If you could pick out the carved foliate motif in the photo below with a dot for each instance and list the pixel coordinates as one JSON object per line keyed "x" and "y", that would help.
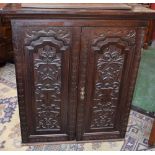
{"x": 48, "y": 87}
{"x": 57, "y": 32}
{"x": 48, "y": 46}
{"x": 109, "y": 69}
{"x": 125, "y": 34}
{"x": 111, "y": 48}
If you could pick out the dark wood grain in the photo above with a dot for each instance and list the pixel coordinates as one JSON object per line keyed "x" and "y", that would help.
{"x": 47, "y": 54}
{"x": 76, "y": 70}
{"x": 152, "y": 135}
{"x": 137, "y": 12}
{"x": 6, "y": 53}
{"x": 3, "y": 55}
{"x": 106, "y": 58}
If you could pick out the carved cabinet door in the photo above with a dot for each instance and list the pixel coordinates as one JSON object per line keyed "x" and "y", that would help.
{"x": 46, "y": 68}
{"x": 108, "y": 65}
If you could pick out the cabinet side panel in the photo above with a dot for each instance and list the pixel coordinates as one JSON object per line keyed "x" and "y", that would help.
{"x": 132, "y": 75}
{"x": 19, "y": 67}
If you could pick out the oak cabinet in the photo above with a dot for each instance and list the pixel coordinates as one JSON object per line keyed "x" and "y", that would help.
{"x": 74, "y": 82}
{"x": 76, "y": 70}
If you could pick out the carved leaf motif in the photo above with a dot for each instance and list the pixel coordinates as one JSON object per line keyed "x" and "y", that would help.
{"x": 48, "y": 87}
{"x": 47, "y": 45}
{"x": 125, "y": 34}
{"x": 59, "y": 32}
{"x": 109, "y": 68}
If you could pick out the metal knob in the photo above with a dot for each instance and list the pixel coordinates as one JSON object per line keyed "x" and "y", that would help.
{"x": 82, "y": 93}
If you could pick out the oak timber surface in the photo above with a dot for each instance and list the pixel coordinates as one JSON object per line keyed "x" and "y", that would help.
{"x": 76, "y": 70}
{"x": 104, "y": 11}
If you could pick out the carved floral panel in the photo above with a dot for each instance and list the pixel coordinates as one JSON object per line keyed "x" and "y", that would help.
{"x": 48, "y": 87}
{"x": 48, "y": 47}
{"x": 111, "y": 48}
{"x": 109, "y": 69}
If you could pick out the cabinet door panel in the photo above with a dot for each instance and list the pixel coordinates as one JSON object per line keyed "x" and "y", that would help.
{"x": 46, "y": 64}
{"x": 106, "y": 59}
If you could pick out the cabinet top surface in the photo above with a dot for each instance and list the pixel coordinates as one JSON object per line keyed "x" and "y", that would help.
{"x": 47, "y": 10}
{"x": 101, "y": 6}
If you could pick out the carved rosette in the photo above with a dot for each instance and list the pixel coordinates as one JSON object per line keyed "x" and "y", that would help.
{"x": 110, "y": 47}
{"x": 48, "y": 87}
{"x": 48, "y": 47}
{"x": 109, "y": 70}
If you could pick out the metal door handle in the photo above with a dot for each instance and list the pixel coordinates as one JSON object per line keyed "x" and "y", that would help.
{"x": 82, "y": 93}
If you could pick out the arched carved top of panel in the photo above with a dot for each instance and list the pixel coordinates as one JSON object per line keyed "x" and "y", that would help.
{"x": 123, "y": 37}
{"x": 61, "y": 34}
{"x": 101, "y": 45}
{"x": 52, "y": 41}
